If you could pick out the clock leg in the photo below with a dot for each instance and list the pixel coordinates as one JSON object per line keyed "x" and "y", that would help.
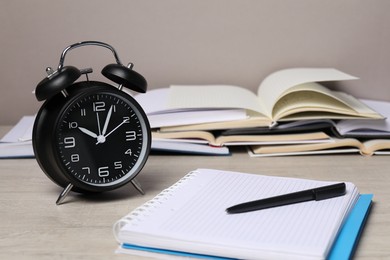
{"x": 137, "y": 185}
{"x": 64, "y": 193}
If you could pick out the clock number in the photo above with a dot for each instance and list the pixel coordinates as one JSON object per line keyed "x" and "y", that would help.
{"x": 103, "y": 171}
{"x": 130, "y": 136}
{"x": 75, "y": 157}
{"x": 118, "y": 165}
{"x": 87, "y": 169}
{"x": 83, "y": 112}
{"x": 69, "y": 142}
{"x": 128, "y": 151}
{"x": 73, "y": 125}
{"x": 99, "y": 106}
{"x": 126, "y": 119}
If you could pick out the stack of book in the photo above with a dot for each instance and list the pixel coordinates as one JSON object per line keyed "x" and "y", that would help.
{"x": 291, "y": 114}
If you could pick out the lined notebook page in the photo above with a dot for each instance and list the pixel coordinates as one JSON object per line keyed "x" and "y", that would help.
{"x": 190, "y": 216}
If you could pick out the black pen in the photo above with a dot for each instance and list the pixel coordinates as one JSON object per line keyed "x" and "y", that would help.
{"x": 320, "y": 193}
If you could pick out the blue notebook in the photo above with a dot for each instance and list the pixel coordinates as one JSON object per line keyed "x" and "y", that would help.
{"x": 337, "y": 236}
{"x": 347, "y": 240}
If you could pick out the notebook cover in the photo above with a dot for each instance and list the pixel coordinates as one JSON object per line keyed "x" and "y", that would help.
{"x": 348, "y": 238}
{"x": 343, "y": 248}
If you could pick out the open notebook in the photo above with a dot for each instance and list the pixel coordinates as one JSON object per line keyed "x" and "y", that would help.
{"x": 189, "y": 218}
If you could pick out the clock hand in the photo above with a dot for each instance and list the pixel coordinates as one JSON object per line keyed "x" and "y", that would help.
{"x": 107, "y": 121}
{"x": 102, "y": 138}
{"x": 98, "y": 123}
{"x": 88, "y": 132}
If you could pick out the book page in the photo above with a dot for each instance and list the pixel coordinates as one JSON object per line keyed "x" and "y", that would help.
{"x": 203, "y": 135}
{"x": 16, "y": 150}
{"x": 213, "y": 96}
{"x": 366, "y": 127}
{"x": 371, "y": 146}
{"x": 21, "y": 132}
{"x": 196, "y": 136}
{"x": 252, "y": 120}
{"x": 167, "y": 147}
{"x": 337, "y": 143}
{"x": 190, "y": 216}
{"x": 313, "y": 97}
{"x": 299, "y": 138}
{"x": 17, "y": 142}
{"x": 155, "y": 101}
{"x": 193, "y": 117}
{"x": 273, "y": 86}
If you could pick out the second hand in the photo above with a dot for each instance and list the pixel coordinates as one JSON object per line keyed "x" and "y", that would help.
{"x": 103, "y": 139}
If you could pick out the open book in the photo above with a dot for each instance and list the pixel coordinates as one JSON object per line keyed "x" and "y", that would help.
{"x": 290, "y": 94}
{"x": 355, "y": 128}
{"x": 156, "y": 106}
{"x": 339, "y": 145}
{"x": 229, "y": 140}
{"x": 166, "y": 147}
{"x": 190, "y": 219}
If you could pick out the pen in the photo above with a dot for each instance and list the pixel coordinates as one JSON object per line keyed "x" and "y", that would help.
{"x": 320, "y": 193}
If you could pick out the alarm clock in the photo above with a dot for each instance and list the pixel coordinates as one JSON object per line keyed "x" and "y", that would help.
{"x": 91, "y": 136}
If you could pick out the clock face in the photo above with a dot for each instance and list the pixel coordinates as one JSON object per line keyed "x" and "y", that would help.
{"x": 102, "y": 138}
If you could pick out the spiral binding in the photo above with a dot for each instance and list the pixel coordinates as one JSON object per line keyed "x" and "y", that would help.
{"x": 147, "y": 208}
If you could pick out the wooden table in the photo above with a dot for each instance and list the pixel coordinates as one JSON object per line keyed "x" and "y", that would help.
{"x": 33, "y": 227}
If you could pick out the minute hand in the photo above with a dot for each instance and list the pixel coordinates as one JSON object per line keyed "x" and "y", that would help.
{"x": 107, "y": 121}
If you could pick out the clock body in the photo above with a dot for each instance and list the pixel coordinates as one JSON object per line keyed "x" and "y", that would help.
{"x": 95, "y": 137}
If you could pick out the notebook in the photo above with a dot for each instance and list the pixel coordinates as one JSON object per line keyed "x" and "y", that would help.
{"x": 190, "y": 219}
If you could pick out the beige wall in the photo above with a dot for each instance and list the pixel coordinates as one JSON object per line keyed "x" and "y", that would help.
{"x": 193, "y": 42}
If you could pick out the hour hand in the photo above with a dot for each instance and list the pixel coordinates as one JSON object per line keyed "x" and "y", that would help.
{"x": 88, "y": 132}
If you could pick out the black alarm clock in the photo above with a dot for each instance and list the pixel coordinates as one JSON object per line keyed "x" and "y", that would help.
{"x": 90, "y": 136}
